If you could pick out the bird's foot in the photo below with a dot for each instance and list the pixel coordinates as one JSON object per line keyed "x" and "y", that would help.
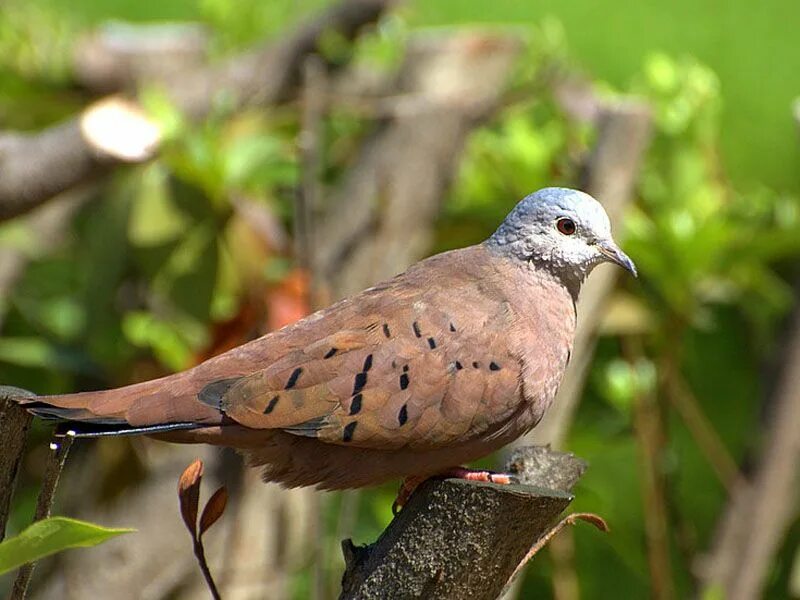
{"x": 410, "y": 484}
{"x": 478, "y": 475}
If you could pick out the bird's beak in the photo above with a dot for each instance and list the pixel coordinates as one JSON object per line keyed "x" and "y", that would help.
{"x": 612, "y": 252}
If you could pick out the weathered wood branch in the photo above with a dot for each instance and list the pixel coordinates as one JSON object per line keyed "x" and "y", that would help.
{"x": 459, "y": 539}
{"x": 35, "y": 167}
{"x": 14, "y": 424}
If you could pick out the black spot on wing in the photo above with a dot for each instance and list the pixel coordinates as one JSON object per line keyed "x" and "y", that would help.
{"x": 367, "y": 363}
{"x": 386, "y": 330}
{"x": 431, "y": 343}
{"x": 271, "y": 406}
{"x": 452, "y": 327}
{"x": 415, "y": 327}
{"x": 293, "y": 378}
{"x": 403, "y": 381}
{"x": 402, "y": 416}
{"x": 330, "y": 353}
{"x": 359, "y": 383}
{"x": 349, "y": 429}
{"x": 493, "y": 366}
{"x": 355, "y": 404}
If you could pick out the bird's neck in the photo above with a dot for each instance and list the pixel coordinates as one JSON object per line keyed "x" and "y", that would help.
{"x": 544, "y": 268}
{"x": 566, "y": 275}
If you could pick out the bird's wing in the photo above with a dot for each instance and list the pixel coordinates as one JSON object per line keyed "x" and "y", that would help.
{"x": 404, "y": 365}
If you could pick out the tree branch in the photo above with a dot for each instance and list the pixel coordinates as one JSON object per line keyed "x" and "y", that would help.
{"x": 762, "y": 508}
{"x": 14, "y": 424}
{"x": 458, "y": 539}
{"x": 35, "y": 167}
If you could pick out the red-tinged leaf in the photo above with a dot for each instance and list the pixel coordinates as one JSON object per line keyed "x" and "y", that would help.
{"x": 189, "y": 494}
{"x": 213, "y": 510}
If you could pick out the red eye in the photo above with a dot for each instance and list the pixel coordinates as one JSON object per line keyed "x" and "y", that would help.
{"x": 566, "y": 226}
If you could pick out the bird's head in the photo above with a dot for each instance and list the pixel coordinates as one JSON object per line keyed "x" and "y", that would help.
{"x": 564, "y": 231}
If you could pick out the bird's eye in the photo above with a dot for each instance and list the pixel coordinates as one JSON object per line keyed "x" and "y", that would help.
{"x": 566, "y": 226}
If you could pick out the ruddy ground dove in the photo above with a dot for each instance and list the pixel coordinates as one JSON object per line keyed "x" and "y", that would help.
{"x": 436, "y": 367}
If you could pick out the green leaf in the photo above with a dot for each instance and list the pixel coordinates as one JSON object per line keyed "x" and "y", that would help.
{"x": 49, "y": 536}
{"x": 32, "y": 351}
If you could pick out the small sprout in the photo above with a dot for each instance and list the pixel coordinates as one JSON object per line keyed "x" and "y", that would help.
{"x": 213, "y": 510}
{"x": 189, "y": 494}
{"x": 189, "y": 497}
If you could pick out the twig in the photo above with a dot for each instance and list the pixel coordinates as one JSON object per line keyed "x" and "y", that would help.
{"x": 60, "y": 447}
{"x": 14, "y": 424}
{"x": 200, "y": 553}
{"x": 570, "y": 519}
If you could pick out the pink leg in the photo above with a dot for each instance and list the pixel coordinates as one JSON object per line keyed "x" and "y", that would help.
{"x": 478, "y": 475}
{"x": 411, "y": 483}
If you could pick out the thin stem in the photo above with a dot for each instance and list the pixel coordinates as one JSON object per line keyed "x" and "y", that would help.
{"x": 44, "y": 503}
{"x": 200, "y": 553}
{"x": 570, "y": 519}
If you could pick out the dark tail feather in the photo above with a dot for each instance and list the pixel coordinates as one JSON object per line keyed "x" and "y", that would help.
{"x": 82, "y": 423}
{"x": 161, "y": 406}
{"x": 90, "y": 430}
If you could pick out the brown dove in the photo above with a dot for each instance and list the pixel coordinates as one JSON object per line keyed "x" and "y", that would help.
{"x": 437, "y": 367}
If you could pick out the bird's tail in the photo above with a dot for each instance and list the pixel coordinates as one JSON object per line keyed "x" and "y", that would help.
{"x": 169, "y": 404}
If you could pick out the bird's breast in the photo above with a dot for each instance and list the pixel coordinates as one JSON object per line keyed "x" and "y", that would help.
{"x": 543, "y": 339}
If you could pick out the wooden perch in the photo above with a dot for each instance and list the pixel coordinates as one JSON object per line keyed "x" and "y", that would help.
{"x": 35, "y": 167}
{"x": 14, "y": 424}
{"x": 460, "y": 539}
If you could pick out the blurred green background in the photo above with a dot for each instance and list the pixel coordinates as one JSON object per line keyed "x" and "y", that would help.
{"x": 154, "y": 262}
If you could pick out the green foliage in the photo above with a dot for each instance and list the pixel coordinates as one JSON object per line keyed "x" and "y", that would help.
{"x": 49, "y": 536}
{"x": 155, "y": 261}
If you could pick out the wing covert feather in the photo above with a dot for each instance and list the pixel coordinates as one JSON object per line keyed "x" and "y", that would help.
{"x": 415, "y": 367}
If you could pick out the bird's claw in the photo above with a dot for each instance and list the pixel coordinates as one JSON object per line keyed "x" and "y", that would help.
{"x": 410, "y": 484}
